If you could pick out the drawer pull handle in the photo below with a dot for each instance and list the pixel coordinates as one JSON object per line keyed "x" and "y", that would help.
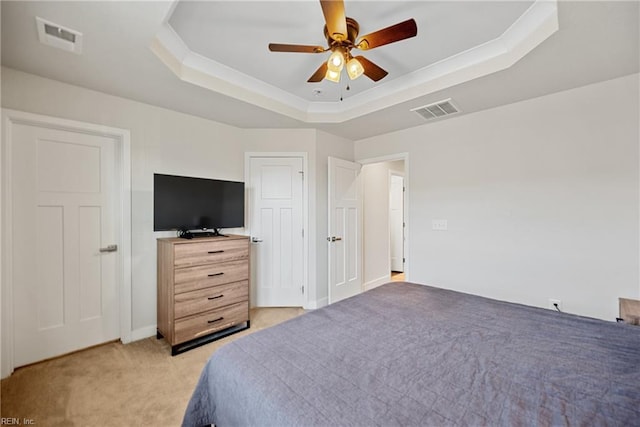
{"x": 215, "y": 320}
{"x": 215, "y": 252}
{"x": 215, "y": 274}
{"x": 219, "y": 296}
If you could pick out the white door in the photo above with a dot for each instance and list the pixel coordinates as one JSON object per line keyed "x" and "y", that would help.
{"x": 276, "y": 221}
{"x": 65, "y": 294}
{"x": 345, "y": 229}
{"x": 396, "y": 222}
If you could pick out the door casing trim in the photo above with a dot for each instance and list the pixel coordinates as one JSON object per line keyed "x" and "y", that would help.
{"x": 307, "y": 302}
{"x": 123, "y": 221}
{"x": 401, "y": 174}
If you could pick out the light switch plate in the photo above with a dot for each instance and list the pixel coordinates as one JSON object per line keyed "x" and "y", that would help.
{"x": 439, "y": 224}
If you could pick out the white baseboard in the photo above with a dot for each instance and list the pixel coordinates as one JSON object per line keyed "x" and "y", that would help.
{"x": 317, "y": 303}
{"x": 142, "y": 333}
{"x": 376, "y": 282}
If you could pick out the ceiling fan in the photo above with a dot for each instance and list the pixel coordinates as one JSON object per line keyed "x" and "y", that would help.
{"x": 341, "y": 33}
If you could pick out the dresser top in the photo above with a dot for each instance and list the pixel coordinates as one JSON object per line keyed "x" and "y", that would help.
{"x": 180, "y": 240}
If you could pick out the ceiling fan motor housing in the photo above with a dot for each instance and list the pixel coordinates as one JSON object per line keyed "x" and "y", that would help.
{"x": 341, "y": 33}
{"x": 353, "y": 28}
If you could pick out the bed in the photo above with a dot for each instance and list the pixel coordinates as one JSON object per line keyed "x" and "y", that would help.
{"x": 408, "y": 354}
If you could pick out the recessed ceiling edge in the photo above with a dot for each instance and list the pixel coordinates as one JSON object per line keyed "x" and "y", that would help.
{"x": 533, "y": 27}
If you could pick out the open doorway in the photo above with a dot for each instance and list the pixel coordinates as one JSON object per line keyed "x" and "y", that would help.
{"x": 384, "y": 221}
{"x": 396, "y": 224}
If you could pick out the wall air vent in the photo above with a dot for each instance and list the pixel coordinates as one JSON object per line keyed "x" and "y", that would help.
{"x": 58, "y": 36}
{"x": 437, "y": 109}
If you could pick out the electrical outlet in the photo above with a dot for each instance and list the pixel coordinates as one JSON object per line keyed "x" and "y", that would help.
{"x": 439, "y": 224}
{"x": 555, "y": 303}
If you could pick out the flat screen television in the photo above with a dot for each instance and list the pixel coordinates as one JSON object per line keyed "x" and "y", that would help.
{"x": 185, "y": 203}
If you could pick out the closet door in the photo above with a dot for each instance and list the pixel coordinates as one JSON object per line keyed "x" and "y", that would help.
{"x": 63, "y": 222}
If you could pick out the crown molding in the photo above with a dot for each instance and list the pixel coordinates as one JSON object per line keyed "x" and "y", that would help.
{"x": 534, "y": 26}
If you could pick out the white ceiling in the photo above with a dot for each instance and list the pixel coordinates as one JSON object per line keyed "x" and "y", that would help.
{"x": 474, "y": 39}
{"x": 237, "y": 34}
{"x": 595, "y": 41}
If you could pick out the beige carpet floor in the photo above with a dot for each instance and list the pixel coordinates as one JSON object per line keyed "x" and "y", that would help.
{"x": 117, "y": 385}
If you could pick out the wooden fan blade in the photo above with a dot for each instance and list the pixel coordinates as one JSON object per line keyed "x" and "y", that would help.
{"x": 335, "y": 18}
{"x": 279, "y": 47}
{"x": 371, "y": 70}
{"x": 394, "y": 33}
{"x": 319, "y": 74}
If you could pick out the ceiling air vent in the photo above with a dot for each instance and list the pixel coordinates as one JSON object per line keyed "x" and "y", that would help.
{"x": 58, "y": 36}
{"x": 437, "y": 109}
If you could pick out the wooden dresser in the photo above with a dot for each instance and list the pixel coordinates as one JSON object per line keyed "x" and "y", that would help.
{"x": 630, "y": 310}
{"x": 203, "y": 289}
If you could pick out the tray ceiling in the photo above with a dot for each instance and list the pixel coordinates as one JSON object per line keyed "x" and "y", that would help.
{"x": 223, "y": 46}
{"x": 132, "y": 51}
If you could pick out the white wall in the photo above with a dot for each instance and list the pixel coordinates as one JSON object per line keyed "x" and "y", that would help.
{"x": 166, "y": 141}
{"x": 3, "y": 333}
{"x": 319, "y": 146}
{"x": 541, "y": 198}
{"x": 161, "y": 141}
{"x": 377, "y": 262}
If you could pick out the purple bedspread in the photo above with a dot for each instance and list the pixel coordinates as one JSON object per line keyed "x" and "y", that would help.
{"x": 407, "y": 354}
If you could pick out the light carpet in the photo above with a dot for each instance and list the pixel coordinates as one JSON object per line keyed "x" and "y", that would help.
{"x": 114, "y": 384}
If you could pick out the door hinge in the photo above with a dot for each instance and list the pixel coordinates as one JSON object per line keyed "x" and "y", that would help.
{"x": 303, "y": 289}
{"x": 403, "y": 260}
{"x": 301, "y": 174}
{"x": 303, "y": 232}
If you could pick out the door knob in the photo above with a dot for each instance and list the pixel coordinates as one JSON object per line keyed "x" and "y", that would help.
{"x": 333, "y": 239}
{"x": 110, "y": 248}
{"x": 255, "y": 240}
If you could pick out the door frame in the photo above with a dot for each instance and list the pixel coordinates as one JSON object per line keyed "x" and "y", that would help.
{"x": 407, "y": 234}
{"x": 248, "y": 155}
{"x": 122, "y": 223}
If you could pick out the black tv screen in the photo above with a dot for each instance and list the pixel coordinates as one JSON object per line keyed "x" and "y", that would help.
{"x": 185, "y": 203}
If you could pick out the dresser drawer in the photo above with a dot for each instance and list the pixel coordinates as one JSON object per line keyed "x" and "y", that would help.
{"x": 204, "y": 276}
{"x": 208, "y": 322}
{"x": 195, "y": 302}
{"x": 198, "y": 253}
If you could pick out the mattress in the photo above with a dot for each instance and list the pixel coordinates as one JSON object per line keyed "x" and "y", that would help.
{"x": 408, "y": 354}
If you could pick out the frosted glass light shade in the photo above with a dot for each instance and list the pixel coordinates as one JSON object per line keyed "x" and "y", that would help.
{"x": 333, "y": 76}
{"x": 354, "y": 68}
{"x": 336, "y": 61}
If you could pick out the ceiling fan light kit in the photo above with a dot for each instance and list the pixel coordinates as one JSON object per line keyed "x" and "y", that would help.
{"x": 341, "y": 33}
{"x": 333, "y": 76}
{"x": 336, "y": 60}
{"x": 354, "y": 68}
{"x": 336, "y": 63}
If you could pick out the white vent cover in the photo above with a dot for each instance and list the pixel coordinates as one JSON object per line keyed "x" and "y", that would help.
{"x": 437, "y": 109}
{"x": 58, "y": 36}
